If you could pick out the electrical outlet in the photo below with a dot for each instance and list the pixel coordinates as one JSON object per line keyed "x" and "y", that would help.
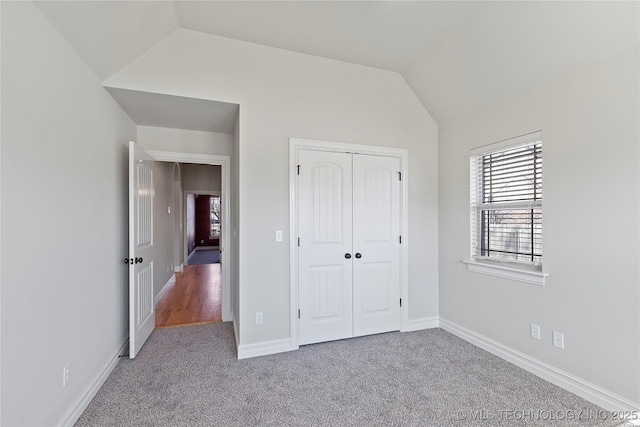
{"x": 259, "y": 318}
{"x": 66, "y": 373}
{"x": 558, "y": 339}
{"x": 535, "y": 331}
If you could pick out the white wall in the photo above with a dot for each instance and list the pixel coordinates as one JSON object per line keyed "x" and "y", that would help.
{"x": 205, "y": 178}
{"x": 185, "y": 141}
{"x": 284, "y": 94}
{"x": 163, "y": 225}
{"x": 64, "y": 221}
{"x": 589, "y": 123}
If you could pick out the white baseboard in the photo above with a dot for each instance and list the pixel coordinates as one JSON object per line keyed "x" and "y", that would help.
{"x": 206, "y": 248}
{"x": 178, "y": 268}
{"x": 81, "y": 404}
{"x": 591, "y": 392}
{"x": 165, "y": 288}
{"x": 265, "y": 348}
{"x": 423, "y": 323}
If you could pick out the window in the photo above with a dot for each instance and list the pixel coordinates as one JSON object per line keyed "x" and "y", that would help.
{"x": 506, "y": 206}
{"x": 214, "y": 231}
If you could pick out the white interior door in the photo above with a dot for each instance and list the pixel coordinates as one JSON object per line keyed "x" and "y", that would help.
{"x": 349, "y": 248}
{"x": 141, "y": 302}
{"x": 325, "y": 267}
{"x": 376, "y": 244}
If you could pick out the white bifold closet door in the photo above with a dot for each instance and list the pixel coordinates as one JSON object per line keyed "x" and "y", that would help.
{"x": 349, "y": 249}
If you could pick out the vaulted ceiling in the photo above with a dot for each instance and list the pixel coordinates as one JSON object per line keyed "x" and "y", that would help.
{"x": 458, "y": 57}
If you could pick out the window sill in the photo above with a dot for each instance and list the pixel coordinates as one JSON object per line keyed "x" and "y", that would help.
{"x": 508, "y": 272}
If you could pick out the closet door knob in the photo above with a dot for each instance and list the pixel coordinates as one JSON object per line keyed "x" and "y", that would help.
{"x": 347, "y": 255}
{"x": 358, "y": 255}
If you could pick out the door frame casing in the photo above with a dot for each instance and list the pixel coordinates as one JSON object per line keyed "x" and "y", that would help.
{"x": 225, "y": 194}
{"x": 297, "y": 144}
{"x": 178, "y": 253}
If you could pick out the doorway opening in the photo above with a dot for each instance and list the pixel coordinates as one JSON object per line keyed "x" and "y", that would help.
{"x": 196, "y": 296}
{"x": 181, "y": 130}
{"x": 201, "y": 293}
{"x": 203, "y": 225}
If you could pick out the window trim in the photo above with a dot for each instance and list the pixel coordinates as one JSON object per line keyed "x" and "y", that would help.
{"x": 511, "y": 271}
{"x": 514, "y": 142}
{"x": 522, "y": 272}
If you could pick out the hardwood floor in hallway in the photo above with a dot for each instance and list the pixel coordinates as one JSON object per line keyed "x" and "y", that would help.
{"x": 194, "y": 299}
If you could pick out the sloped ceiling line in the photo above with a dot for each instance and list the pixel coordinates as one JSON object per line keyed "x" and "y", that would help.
{"x": 457, "y": 57}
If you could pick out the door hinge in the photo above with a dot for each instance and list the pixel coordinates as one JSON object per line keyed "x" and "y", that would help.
{"x": 399, "y": 176}
{"x": 400, "y": 238}
{"x": 400, "y": 302}
{"x": 298, "y": 242}
{"x": 298, "y": 169}
{"x": 298, "y": 313}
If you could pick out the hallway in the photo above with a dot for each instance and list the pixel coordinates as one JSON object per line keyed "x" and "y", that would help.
{"x": 195, "y": 298}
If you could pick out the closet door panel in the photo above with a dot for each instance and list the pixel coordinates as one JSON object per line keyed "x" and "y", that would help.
{"x": 325, "y": 273}
{"x": 376, "y": 245}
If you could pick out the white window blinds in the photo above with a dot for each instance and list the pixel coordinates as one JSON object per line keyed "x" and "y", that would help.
{"x": 506, "y": 200}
